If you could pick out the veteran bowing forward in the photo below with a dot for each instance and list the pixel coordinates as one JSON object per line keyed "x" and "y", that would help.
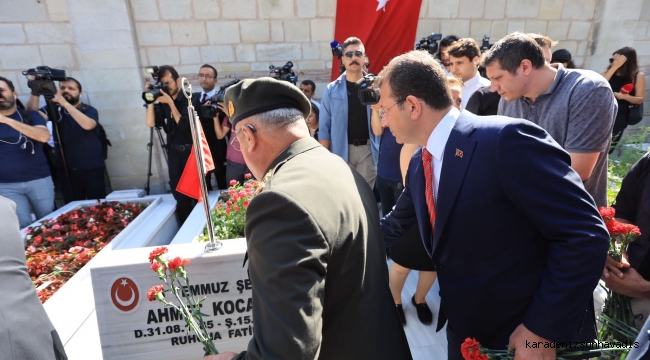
{"x": 316, "y": 253}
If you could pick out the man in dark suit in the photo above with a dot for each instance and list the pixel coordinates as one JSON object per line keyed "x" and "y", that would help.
{"x": 25, "y": 330}
{"x": 208, "y": 82}
{"x": 517, "y": 242}
{"x": 316, "y": 255}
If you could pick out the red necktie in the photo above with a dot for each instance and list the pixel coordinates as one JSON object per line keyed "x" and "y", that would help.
{"x": 203, "y": 98}
{"x": 427, "y": 160}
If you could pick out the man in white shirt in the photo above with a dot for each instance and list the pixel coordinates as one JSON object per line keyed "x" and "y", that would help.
{"x": 464, "y": 55}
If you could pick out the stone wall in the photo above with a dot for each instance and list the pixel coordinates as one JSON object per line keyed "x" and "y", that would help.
{"x": 107, "y": 44}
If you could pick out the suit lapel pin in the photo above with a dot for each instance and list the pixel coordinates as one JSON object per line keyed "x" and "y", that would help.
{"x": 459, "y": 153}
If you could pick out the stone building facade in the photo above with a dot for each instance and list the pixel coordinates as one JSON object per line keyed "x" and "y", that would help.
{"x": 106, "y": 45}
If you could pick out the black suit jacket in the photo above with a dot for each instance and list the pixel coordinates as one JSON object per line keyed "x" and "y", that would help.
{"x": 517, "y": 238}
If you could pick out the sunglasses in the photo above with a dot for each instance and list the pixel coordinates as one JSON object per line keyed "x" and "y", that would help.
{"x": 357, "y": 53}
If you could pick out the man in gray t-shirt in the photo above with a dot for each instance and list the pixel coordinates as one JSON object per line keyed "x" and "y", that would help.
{"x": 576, "y": 107}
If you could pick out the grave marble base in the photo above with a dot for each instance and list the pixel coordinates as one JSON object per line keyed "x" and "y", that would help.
{"x": 71, "y": 306}
{"x": 132, "y": 327}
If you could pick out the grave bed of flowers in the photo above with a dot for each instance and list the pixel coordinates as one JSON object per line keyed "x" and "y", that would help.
{"x": 57, "y": 248}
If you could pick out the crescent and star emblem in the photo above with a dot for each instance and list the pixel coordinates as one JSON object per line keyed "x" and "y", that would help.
{"x": 121, "y": 288}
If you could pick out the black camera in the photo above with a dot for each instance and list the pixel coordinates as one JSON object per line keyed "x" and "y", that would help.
{"x": 41, "y": 80}
{"x": 211, "y": 110}
{"x": 367, "y": 94}
{"x": 429, "y": 44}
{"x": 284, "y": 73}
{"x": 153, "y": 90}
{"x": 485, "y": 46}
{"x": 337, "y": 49}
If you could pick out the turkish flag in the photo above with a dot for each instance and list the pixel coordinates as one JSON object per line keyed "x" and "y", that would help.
{"x": 386, "y": 27}
{"x": 190, "y": 183}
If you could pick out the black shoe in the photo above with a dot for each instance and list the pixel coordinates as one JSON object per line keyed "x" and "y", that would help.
{"x": 400, "y": 314}
{"x": 424, "y": 313}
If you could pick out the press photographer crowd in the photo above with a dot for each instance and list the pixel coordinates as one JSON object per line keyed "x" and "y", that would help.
{"x": 512, "y": 180}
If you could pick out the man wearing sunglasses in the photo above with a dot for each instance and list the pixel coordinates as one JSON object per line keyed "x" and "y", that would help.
{"x": 315, "y": 256}
{"x": 345, "y": 127}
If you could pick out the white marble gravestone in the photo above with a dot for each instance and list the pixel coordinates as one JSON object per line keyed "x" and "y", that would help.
{"x": 132, "y": 327}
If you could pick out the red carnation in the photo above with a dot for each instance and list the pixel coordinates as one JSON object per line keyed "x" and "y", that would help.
{"x": 248, "y": 176}
{"x": 157, "y": 252}
{"x": 470, "y": 349}
{"x": 607, "y": 212}
{"x": 156, "y": 266}
{"x": 177, "y": 262}
{"x": 233, "y": 182}
{"x": 151, "y": 294}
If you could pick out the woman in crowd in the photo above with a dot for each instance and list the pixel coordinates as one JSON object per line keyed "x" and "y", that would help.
{"x": 628, "y": 85}
{"x": 312, "y": 121}
{"x": 235, "y": 165}
{"x": 563, "y": 56}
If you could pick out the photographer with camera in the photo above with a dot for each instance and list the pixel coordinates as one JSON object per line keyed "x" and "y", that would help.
{"x": 25, "y": 177}
{"x": 208, "y": 81}
{"x": 464, "y": 56}
{"x": 80, "y": 139}
{"x": 345, "y": 123}
{"x": 175, "y": 122}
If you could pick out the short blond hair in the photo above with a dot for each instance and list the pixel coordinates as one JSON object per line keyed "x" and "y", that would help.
{"x": 543, "y": 40}
{"x": 454, "y": 81}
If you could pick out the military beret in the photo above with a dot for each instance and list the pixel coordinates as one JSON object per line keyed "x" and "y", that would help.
{"x": 253, "y": 96}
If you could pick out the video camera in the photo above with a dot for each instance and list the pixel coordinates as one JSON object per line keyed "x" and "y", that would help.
{"x": 41, "y": 80}
{"x": 211, "y": 110}
{"x": 153, "y": 90}
{"x": 429, "y": 43}
{"x": 337, "y": 49}
{"x": 284, "y": 73}
{"x": 485, "y": 46}
{"x": 367, "y": 94}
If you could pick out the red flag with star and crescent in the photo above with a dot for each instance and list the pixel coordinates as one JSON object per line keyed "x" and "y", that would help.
{"x": 387, "y": 28}
{"x": 190, "y": 183}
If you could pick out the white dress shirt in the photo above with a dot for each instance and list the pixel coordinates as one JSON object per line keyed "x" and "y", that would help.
{"x": 437, "y": 142}
{"x": 209, "y": 94}
{"x": 470, "y": 86}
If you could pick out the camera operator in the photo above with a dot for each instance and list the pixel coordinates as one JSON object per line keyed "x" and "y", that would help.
{"x": 175, "y": 121}
{"x": 24, "y": 174}
{"x": 80, "y": 139}
{"x": 443, "y": 56}
{"x": 208, "y": 81}
{"x": 345, "y": 123}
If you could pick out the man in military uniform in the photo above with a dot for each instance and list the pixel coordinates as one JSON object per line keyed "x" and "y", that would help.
{"x": 315, "y": 246}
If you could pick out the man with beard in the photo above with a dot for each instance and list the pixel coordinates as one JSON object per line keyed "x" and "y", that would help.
{"x": 80, "y": 139}
{"x": 175, "y": 121}
{"x": 25, "y": 177}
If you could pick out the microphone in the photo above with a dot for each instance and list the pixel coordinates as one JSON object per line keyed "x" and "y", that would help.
{"x": 337, "y": 49}
{"x": 626, "y": 89}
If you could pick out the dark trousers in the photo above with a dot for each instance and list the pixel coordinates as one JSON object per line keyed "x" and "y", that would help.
{"x": 619, "y": 126}
{"x": 219, "y": 173}
{"x": 184, "y": 203}
{"x": 389, "y": 192}
{"x": 84, "y": 184}
{"x": 236, "y": 171}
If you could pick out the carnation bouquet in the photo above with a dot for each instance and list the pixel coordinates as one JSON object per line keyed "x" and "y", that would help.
{"x": 229, "y": 216}
{"x": 617, "y": 317}
{"x": 172, "y": 272}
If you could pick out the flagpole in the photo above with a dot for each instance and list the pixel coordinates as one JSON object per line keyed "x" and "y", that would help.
{"x": 193, "y": 118}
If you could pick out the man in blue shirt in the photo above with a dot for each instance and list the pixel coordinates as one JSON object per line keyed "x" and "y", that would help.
{"x": 80, "y": 140}
{"x": 24, "y": 174}
{"x": 345, "y": 127}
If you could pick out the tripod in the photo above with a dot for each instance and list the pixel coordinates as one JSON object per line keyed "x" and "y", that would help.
{"x": 163, "y": 148}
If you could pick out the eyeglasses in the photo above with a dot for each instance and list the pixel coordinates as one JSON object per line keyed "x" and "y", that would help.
{"x": 206, "y": 76}
{"x": 382, "y": 112}
{"x": 234, "y": 141}
{"x": 357, "y": 53}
